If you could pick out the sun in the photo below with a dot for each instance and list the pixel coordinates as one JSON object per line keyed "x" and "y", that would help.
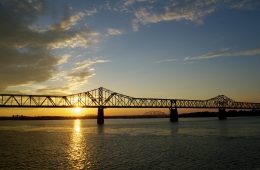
{"x": 77, "y": 110}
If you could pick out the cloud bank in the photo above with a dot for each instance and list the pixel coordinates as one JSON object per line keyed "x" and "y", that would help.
{"x": 155, "y": 11}
{"x": 26, "y": 49}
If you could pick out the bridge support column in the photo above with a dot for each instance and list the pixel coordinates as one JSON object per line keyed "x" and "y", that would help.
{"x": 100, "y": 116}
{"x": 222, "y": 114}
{"x": 174, "y": 115}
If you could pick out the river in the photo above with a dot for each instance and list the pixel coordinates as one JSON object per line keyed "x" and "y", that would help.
{"x": 192, "y": 143}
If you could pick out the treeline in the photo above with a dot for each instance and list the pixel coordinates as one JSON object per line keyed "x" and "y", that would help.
{"x": 21, "y": 117}
{"x": 230, "y": 113}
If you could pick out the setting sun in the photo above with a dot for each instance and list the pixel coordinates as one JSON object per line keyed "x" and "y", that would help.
{"x": 77, "y": 110}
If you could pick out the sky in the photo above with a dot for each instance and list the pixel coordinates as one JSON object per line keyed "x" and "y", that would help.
{"x": 192, "y": 49}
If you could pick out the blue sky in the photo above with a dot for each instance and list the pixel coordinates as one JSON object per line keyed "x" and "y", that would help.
{"x": 194, "y": 49}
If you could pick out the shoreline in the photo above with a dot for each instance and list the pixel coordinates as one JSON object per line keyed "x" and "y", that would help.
{"x": 185, "y": 115}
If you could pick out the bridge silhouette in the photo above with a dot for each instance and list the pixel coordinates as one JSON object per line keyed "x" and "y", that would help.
{"x": 102, "y": 98}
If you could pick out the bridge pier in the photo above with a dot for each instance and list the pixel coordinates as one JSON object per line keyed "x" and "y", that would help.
{"x": 174, "y": 115}
{"x": 222, "y": 114}
{"x": 100, "y": 116}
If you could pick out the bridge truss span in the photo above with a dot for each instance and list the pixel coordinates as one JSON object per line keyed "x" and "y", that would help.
{"x": 105, "y": 98}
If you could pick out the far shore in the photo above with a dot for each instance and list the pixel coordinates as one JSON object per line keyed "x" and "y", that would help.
{"x": 230, "y": 113}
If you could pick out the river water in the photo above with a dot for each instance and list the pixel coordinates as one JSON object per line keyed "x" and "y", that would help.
{"x": 192, "y": 143}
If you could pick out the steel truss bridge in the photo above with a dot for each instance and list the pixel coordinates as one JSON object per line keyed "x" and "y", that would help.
{"x": 103, "y": 98}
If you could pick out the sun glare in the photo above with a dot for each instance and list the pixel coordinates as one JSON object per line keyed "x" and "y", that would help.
{"x": 77, "y": 110}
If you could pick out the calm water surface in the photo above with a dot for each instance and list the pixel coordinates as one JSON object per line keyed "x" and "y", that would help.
{"x": 198, "y": 143}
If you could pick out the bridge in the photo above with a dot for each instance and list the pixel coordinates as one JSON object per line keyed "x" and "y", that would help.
{"x": 102, "y": 98}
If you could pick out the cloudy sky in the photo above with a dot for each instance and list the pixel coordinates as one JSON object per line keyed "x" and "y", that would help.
{"x": 194, "y": 49}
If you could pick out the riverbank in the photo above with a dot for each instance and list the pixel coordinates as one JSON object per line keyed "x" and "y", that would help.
{"x": 230, "y": 113}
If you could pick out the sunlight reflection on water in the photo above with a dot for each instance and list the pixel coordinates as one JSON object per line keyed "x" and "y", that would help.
{"x": 76, "y": 149}
{"x": 77, "y": 126}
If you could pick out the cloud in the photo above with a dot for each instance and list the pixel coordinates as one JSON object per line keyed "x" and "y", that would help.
{"x": 70, "y": 82}
{"x": 131, "y": 2}
{"x": 26, "y": 49}
{"x": 69, "y": 22}
{"x": 224, "y": 53}
{"x": 53, "y": 90}
{"x": 113, "y": 31}
{"x": 166, "y": 60}
{"x": 63, "y": 59}
{"x": 73, "y": 79}
{"x": 21, "y": 65}
{"x": 87, "y": 63}
{"x": 81, "y": 72}
{"x": 190, "y": 12}
{"x": 83, "y": 39}
{"x": 72, "y": 20}
{"x": 178, "y": 10}
{"x": 246, "y": 4}
{"x": 17, "y": 68}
